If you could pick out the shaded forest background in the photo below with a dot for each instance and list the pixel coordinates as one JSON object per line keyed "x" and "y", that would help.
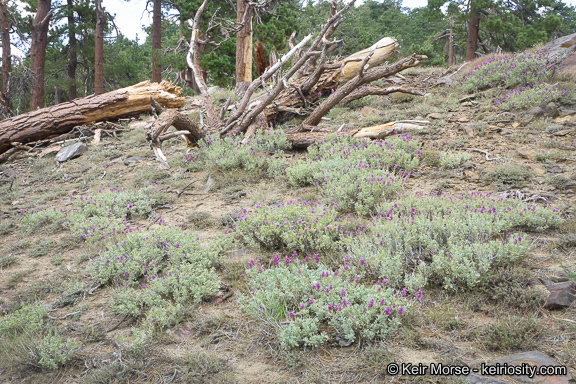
{"x": 72, "y": 67}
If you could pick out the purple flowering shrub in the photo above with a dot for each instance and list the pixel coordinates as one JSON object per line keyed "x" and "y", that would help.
{"x": 40, "y": 218}
{"x": 157, "y": 274}
{"x": 108, "y": 212}
{"x": 449, "y": 241}
{"x": 530, "y": 95}
{"x": 509, "y": 70}
{"x": 230, "y": 152}
{"x": 314, "y": 303}
{"x": 25, "y": 337}
{"x": 356, "y": 175}
{"x": 303, "y": 226}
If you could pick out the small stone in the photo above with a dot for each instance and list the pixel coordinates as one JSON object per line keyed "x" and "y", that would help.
{"x": 550, "y": 110}
{"x": 471, "y": 175}
{"x": 463, "y": 119}
{"x": 538, "y": 170}
{"x": 569, "y": 286}
{"x": 447, "y": 81}
{"x": 559, "y": 300}
{"x": 133, "y": 159}
{"x": 506, "y": 132}
{"x": 556, "y": 169}
{"x": 534, "y": 359}
{"x": 70, "y": 152}
{"x": 435, "y": 116}
{"x": 470, "y": 130}
{"x": 526, "y": 153}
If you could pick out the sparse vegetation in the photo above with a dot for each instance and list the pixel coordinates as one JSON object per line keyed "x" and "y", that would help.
{"x": 298, "y": 249}
{"x": 509, "y": 176}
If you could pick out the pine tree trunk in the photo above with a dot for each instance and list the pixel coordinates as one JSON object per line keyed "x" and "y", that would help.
{"x": 243, "y": 47}
{"x": 38, "y": 52}
{"x": 451, "y": 48}
{"x": 156, "y": 42}
{"x": 6, "y": 59}
{"x": 99, "y": 49}
{"x": 473, "y": 30}
{"x": 73, "y": 61}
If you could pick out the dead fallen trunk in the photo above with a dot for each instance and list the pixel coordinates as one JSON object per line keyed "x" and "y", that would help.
{"x": 52, "y": 121}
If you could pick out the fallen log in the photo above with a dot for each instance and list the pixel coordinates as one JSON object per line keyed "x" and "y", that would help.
{"x": 52, "y": 121}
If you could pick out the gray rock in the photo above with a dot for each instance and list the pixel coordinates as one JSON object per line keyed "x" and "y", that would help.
{"x": 550, "y": 110}
{"x": 562, "y": 295}
{"x": 534, "y": 358}
{"x": 561, "y": 48}
{"x": 556, "y": 169}
{"x": 133, "y": 159}
{"x": 71, "y": 152}
{"x": 562, "y": 285}
{"x": 559, "y": 300}
{"x": 435, "y": 116}
{"x": 447, "y": 81}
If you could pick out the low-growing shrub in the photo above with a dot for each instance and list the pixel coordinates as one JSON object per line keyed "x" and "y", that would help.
{"x": 514, "y": 333}
{"x": 54, "y": 352}
{"x": 230, "y": 153}
{"x": 158, "y": 274}
{"x": 509, "y": 70}
{"x": 355, "y": 175}
{"x": 107, "y": 213}
{"x": 510, "y": 287}
{"x": 313, "y": 303}
{"x": 452, "y": 160}
{"x": 40, "y": 218}
{"x": 445, "y": 240}
{"x": 6, "y": 261}
{"x": 133, "y": 342}
{"x": 507, "y": 177}
{"x": 530, "y": 96}
{"x": 297, "y": 225}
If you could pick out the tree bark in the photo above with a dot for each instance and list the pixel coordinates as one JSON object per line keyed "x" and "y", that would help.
{"x": 6, "y": 60}
{"x": 473, "y": 30}
{"x": 260, "y": 58}
{"x": 157, "y": 42}
{"x": 99, "y": 49}
{"x": 243, "y": 47}
{"x": 58, "y": 119}
{"x": 38, "y": 52}
{"x": 73, "y": 61}
{"x": 451, "y": 48}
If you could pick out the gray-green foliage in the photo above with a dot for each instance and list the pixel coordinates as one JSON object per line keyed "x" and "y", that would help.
{"x": 230, "y": 153}
{"x": 355, "y": 175}
{"x": 107, "y": 212}
{"x": 158, "y": 273}
{"x": 298, "y": 225}
{"x": 448, "y": 241}
{"x": 307, "y": 298}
